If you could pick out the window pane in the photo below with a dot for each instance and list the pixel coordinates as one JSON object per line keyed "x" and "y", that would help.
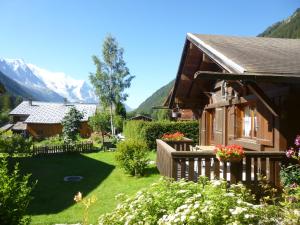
{"x": 247, "y": 122}
{"x": 255, "y": 122}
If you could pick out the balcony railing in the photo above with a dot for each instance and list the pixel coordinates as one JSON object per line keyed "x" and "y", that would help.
{"x": 184, "y": 164}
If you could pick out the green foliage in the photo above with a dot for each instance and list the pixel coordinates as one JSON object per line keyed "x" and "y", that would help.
{"x": 182, "y": 202}
{"x": 289, "y": 28}
{"x": 118, "y": 123}
{"x": 156, "y": 99}
{"x": 121, "y": 110}
{"x": 7, "y": 103}
{"x": 100, "y": 122}
{"x": 71, "y": 125}
{"x": 112, "y": 76}
{"x": 132, "y": 156}
{"x": 14, "y": 195}
{"x": 150, "y": 131}
{"x": 161, "y": 114}
{"x": 290, "y": 175}
{"x": 11, "y": 143}
{"x": 54, "y": 140}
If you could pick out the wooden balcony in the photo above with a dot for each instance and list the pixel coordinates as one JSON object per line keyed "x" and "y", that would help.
{"x": 175, "y": 160}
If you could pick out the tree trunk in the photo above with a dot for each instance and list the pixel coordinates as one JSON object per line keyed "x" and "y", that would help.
{"x": 111, "y": 120}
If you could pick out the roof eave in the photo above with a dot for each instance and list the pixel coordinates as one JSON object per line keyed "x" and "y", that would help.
{"x": 218, "y": 57}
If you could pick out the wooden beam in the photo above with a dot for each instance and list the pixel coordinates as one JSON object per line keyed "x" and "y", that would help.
{"x": 281, "y": 78}
{"x": 260, "y": 94}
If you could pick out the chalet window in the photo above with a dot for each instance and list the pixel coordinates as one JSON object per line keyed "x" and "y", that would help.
{"x": 249, "y": 121}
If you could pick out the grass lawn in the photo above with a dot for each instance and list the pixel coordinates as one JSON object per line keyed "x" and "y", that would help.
{"x": 53, "y": 197}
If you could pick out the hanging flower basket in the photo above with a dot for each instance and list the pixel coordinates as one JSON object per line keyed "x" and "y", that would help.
{"x": 230, "y": 153}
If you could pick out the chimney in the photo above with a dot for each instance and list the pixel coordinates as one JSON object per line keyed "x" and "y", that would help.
{"x": 30, "y": 102}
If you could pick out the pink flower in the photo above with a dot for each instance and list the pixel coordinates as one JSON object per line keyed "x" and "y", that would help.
{"x": 289, "y": 153}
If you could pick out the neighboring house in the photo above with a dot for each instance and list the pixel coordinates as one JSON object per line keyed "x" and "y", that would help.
{"x": 141, "y": 117}
{"x": 245, "y": 90}
{"x": 43, "y": 119}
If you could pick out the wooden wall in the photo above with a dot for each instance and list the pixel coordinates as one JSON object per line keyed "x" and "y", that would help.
{"x": 272, "y": 132}
{"x": 48, "y": 130}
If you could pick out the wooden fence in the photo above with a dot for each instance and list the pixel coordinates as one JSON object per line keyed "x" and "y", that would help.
{"x": 190, "y": 165}
{"x": 55, "y": 149}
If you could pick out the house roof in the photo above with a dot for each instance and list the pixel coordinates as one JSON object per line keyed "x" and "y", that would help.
{"x": 259, "y": 55}
{"x": 207, "y": 58}
{"x": 51, "y": 113}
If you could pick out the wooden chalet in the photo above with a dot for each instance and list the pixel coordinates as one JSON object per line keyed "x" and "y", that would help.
{"x": 43, "y": 119}
{"x": 245, "y": 91}
{"x": 141, "y": 117}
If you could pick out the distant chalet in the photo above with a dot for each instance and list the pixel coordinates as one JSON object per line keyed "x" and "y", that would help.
{"x": 243, "y": 90}
{"x": 43, "y": 119}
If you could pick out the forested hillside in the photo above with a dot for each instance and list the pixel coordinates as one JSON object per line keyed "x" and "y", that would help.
{"x": 288, "y": 28}
{"x": 156, "y": 99}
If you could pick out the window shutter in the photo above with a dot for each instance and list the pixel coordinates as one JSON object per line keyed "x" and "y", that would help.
{"x": 265, "y": 122}
{"x": 219, "y": 126}
{"x": 203, "y": 128}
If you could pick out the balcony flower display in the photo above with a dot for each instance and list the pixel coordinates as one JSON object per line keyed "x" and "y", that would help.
{"x": 178, "y": 136}
{"x": 230, "y": 153}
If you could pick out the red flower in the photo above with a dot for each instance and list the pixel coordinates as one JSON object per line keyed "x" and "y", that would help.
{"x": 177, "y": 136}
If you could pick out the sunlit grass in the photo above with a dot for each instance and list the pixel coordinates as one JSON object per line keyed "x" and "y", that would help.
{"x": 53, "y": 198}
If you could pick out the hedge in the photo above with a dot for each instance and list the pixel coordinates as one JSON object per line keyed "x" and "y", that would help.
{"x": 150, "y": 131}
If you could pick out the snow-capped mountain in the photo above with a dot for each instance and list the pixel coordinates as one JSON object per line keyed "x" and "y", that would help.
{"x": 45, "y": 85}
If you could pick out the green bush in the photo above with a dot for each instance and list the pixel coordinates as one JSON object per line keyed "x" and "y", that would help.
{"x": 132, "y": 156}
{"x": 150, "y": 131}
{"x": 14, "y": 195}
{"x": 290, "y": 175}
{"x": 11, "y": 143}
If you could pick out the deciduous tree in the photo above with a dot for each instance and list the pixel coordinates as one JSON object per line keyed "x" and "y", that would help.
{"x": 112, "y": 76}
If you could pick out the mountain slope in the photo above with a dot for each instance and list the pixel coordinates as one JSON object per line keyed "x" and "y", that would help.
{"x": 156, "y": 99}
{"x": 45, "y": 85}
{"x": 13, "y": 87}
{"x": 288, "y": 28}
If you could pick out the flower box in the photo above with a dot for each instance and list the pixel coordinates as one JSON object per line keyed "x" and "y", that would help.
{"x": 229, "y": 153}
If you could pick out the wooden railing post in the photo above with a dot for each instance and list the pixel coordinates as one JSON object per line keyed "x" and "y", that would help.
{"x": 236, "y": 170}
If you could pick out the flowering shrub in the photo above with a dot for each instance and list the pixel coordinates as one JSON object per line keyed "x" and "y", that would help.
{"x": 177, "y": 136}
{"x": 230, "y": 152}
{"x": 290, "y": 175}
{"x": 205, "y": 202}
{"x": 294, "y": 152}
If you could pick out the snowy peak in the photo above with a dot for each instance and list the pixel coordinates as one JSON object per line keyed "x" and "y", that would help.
{"x": 47, "y": 85}
{"x": 66, "y": 86}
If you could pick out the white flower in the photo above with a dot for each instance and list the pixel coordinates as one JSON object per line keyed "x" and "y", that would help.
{"x": 216, "y": 183}
{"x": 247, "y": 216}
{"x": 230, "y": 194}
{"x": 182, "y": 191}
{"x": 237, "y": 210}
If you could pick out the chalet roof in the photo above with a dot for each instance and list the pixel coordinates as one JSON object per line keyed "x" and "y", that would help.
{"x": 51, "y": 113}
{"x": 259, "y": 55}
{"x": 208, "y": 58}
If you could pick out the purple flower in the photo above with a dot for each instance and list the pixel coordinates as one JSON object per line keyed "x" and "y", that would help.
{"x": 297, "y": 141}
{"x": 294, "y": 185}
{"x": 289, "y": 153}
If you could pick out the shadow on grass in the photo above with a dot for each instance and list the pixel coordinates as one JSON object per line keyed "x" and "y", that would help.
{"x": 149, "y": 171}
{"x": 52, "y": 194}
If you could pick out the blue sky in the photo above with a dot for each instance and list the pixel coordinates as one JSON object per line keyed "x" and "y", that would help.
{"x": 62, "y": 35}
